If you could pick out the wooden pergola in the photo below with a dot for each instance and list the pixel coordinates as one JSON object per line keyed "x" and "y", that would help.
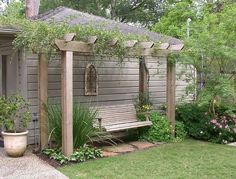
{"x": 67, "y": 46}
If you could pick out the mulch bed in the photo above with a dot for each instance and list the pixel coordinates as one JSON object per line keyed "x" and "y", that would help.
{"x": 46, "y": 159}
{"x": 106, "y": 153}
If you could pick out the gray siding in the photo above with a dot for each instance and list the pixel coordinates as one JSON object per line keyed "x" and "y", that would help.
{"x": 117, "y": 83}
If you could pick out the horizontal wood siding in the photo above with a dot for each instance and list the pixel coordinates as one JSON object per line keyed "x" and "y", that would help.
{"x": 157, "y": 79}
{"x": 117, "y": 83}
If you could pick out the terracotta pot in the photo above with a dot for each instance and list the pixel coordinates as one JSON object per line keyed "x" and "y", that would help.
{"x": 15, "y": 143}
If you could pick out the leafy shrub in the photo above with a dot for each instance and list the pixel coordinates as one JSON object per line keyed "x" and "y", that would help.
{"x": 14, "y": 113}
{"x": 219, "y": 126}
{"x": 180, "y": 132}
{"x": 83, "y": 118}
{"x": 224, "y": 128}
{"x": 159, "y": 131}
{"x": 195, "y": 120}
{"x": 80, "y": 155}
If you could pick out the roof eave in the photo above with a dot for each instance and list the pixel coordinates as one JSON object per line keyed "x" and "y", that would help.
{"x": 8, "y": 31}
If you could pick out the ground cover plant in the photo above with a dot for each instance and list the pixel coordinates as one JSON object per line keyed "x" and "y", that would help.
{"x": 187, "y": 159}
{"x": 79, "y": 155}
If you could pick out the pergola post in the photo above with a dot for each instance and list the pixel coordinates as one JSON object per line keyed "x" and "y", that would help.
{"x": 170, "y": 92}
{"x": 143, "y": 79}
{"x": 67, "y": 102}
{"x": 43, "y": 96}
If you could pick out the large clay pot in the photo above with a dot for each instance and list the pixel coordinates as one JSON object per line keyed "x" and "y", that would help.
{"x": 15, "y": 143}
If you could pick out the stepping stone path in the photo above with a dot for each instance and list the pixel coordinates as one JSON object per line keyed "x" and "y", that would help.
{"x": 27, "y": 167}
{"x": 126, "y": 148}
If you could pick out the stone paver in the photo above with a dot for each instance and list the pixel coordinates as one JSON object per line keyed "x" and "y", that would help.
{"x": 27, "y": 167}
{"x": 109, "y": 154}
{"x": 142, "y": 145}
{"x": 129, "y": 147}
{"x": 232, "y": 144}
{"x": 121, "y": 148}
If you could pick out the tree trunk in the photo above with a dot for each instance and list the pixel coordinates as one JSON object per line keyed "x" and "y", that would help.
{"x": 32, "y": 8}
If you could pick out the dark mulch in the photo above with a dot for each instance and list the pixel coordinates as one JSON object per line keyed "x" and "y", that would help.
{"x": 51, "y": 162}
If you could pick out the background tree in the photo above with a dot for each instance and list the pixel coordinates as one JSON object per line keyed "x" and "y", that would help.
{"x": 210, "y": 47}
{"x": 145, "y": 12}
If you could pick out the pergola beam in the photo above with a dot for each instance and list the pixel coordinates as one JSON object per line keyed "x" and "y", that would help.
{"x": 145, "y": 45}
{"x": 92, "y": 40}
{"x": 113, "y": 42}
{"x": 163, "y": 46}
{"x": 130, "y": 43}
{"x": 69, "y": 37}
{"x": 148, "y": 48}
{"x": 177, "y": 47}
{"x": 75, "y": 46}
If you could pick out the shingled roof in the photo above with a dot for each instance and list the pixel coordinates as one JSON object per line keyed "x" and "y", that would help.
{"x": 74, "y": 17}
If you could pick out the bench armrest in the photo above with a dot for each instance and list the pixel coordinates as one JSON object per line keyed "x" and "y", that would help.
{"x": 99, "y": 122}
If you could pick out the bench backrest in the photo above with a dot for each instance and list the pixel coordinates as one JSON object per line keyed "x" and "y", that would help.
{"x": 117, "y": 114}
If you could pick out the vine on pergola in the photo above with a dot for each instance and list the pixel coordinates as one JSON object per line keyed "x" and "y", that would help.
{"x": 39, "y": 36}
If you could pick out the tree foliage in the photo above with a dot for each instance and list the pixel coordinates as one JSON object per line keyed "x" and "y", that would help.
{"x": 210, "y": 48}
{"x": 39, "y": 36}
{"x": 145, "y": 12}
{"x": 173, "y": 23}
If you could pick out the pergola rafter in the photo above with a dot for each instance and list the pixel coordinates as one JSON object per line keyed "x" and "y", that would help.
{"x": 67, "y": 46}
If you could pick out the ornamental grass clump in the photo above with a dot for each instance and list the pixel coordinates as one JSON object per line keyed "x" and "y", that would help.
{"x": 83, "y": 118}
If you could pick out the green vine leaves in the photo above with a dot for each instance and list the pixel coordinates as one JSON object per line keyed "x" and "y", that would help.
{"x": 39, "y": 36}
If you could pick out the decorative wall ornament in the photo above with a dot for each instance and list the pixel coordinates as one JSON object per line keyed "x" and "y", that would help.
{"x": 91, "y": 80}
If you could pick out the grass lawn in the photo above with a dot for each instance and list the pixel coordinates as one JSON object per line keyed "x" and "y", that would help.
{"x": 188, "y": 159}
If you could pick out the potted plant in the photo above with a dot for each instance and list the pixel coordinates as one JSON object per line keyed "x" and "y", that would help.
{"x": 14, "y": 119}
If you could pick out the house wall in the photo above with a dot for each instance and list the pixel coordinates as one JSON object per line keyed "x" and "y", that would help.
{"x": 117, "y": 83}
{"x": 16, "y": 77}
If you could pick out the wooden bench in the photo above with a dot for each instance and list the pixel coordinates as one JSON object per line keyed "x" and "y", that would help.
{"x": 115, "y": 118}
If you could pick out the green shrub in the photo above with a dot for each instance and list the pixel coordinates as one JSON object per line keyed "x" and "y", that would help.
{"x": 83, "y": 118}
{"x": 195, "y": 119}
{"x": 14, "y": 113}
{"x": 80, "y": 155}
{"x": 159, "y": 131}
{"x": 180, "y": 132}
{"x": 201, "y": 124}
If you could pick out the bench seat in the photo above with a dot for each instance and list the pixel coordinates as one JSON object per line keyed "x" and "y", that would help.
{"x": 126, "y": 126}
{"x": 115, "y": 118}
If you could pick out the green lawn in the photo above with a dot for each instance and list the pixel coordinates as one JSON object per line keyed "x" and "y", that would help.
{"x": 189, "y": 159}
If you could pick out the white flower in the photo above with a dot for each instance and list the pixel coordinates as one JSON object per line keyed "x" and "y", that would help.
{"x": 225, "y": 141}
